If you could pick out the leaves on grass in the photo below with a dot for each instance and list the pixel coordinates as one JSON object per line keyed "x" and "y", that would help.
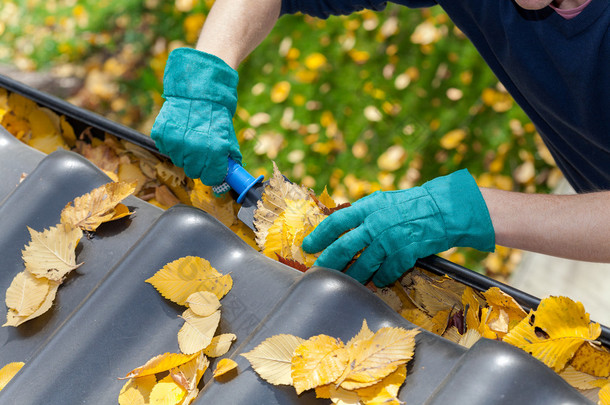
{"x": 98, "y": 206}
{"x": 8, "y": 372}
{"x": 177, "y": 280}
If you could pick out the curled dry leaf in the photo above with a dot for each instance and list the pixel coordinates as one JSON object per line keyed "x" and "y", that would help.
{"x": 51, "y": 253}
{"x": 272, "y": 358}
{"x": 224, "y": 366}
{"x": 98, "y": 206}
{"x": 177, "y": 280}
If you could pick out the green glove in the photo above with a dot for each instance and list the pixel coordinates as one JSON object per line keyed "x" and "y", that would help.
{"x": 194, "y": 127}
{"x": 399, "y": 227}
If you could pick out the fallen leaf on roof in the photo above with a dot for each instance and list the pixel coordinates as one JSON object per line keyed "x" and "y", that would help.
{"x": 160, "y": 363}
{"x": 51, "y": 253}
{"x": 177, "y": 280}
{"x": 136, "y": 391}
{"x": 96, "y": 207}
{"x": 272, "y": 358}
{"x": 224, "y": 366}
{"x": 197, "y": 332}
{"x": 8, "y": 372}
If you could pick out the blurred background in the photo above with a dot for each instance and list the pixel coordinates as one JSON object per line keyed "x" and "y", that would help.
{"x": 373, "y": 101}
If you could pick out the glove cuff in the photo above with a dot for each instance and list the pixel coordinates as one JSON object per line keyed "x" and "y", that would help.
{"x": 198, "y": 75}
{"x": 466, "y": 217}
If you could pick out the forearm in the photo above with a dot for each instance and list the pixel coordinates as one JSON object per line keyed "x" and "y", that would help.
{"x": 571, "y": 226}
{"x": 234, "y": 28}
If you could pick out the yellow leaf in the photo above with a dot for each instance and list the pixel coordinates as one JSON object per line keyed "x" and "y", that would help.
{"x": 26, "y": 293}
{"x": 578, "y": 379}
{"x": 469, "y": 338}
{"x": 592, "y": 359}
{"x": 166, "y": 392}
{"x": 604, "y": 395}
{"x": 499, "y": 301}
{"x": 273, "y": 202}
{"x": 189, "y": 374}
{"x": 51, "y": 253}
{"x": 8, "y": 372}
{"x": 553, "y": 344}
{"x": 452, "y": 139}
{"x": 386, "y": 390}
{"x": 92, "y": 209}
{"x": 220, "y": 208}
{"x": 203, "y": 303}
{"x": 197, "y": 332}
{"x": 315, "y": 61}
{"x": 136, "y": 391}
{"x": 375, "y": 358}
{"x": 280, "y": 92}
{"x": 341, "y": 396}
{"x": 471, "y": 308}
{"x": 272, "y": 358}
{"x": 160, "y": 363}
{"x": 14, "y": 319}
{"x": 67, "y": 132}
{"x": 48, "y": 144}
{"x": 220, "y": 345}
{"x": 177, "y": 280}
{"x": 224, "y": 366}
{"x": 392, "y": 159}
{"x": 326, "y": 199}
{"x": 318, "y": 361}
{"x": 364, "y": 334}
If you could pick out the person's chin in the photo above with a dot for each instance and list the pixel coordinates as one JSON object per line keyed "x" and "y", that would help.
{"x": 533, "y": 4}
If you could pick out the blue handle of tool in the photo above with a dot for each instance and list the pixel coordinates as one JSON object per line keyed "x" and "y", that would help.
{"x": 240, "y": 180}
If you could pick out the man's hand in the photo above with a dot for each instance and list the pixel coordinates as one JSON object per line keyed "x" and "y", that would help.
{"x": 396, "y": 228}
{"x": 194, "y": 127}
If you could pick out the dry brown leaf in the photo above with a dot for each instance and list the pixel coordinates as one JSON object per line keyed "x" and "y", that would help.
{"x": 51, "y": 253}
{"x": 197, "y": 332}
{"x": 177, "y": 280}
{"x": 272, "y": 358}
{"x": 92, "y": 209}
{"x": 318, "y": 361}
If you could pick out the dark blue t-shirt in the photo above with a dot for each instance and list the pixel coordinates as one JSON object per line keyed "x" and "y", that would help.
{"x": 558, "y": 70}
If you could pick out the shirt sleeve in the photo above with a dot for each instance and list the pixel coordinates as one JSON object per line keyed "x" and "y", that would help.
{"x": 326, "y": 8}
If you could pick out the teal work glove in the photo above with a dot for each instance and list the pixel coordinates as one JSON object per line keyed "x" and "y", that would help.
{"x": 399, "y": 227}
{"x": 194, "y": 127}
